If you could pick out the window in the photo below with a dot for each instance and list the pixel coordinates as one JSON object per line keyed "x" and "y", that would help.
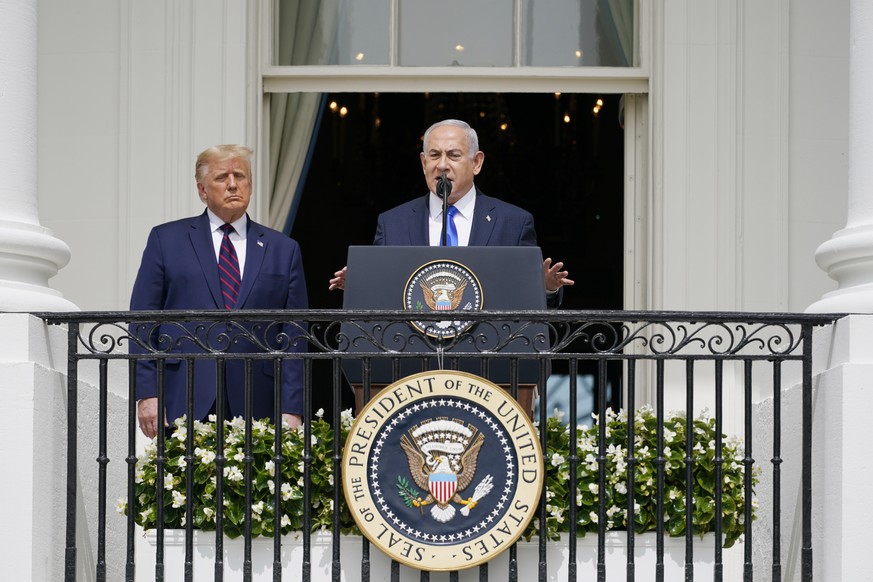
{"x": 480, "y": 33}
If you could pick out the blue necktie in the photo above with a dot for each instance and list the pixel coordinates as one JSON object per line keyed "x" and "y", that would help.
{"x": 451, "y": 230}
{"x": 228, "y": 269}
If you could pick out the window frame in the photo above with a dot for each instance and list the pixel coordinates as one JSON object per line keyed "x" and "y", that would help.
{"x": 634, "y": 82}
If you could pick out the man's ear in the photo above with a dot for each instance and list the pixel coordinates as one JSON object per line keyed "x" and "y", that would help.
{"x": 478, "y": 160}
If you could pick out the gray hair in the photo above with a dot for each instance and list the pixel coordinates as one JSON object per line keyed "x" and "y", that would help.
{"x": 472, "y": 138}
{"x": 220, "y": 153}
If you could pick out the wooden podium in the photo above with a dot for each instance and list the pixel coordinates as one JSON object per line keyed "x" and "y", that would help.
{"x": 385, "y": 277}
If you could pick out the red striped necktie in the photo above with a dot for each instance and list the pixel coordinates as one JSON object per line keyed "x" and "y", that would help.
{"x": 228, "y": 269}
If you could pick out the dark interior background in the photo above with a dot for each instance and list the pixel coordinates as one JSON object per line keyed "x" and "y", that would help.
{"x": 551, "y": 154}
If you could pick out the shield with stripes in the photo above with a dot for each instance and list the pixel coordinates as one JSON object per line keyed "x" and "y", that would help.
{"x": 443, "y": 486}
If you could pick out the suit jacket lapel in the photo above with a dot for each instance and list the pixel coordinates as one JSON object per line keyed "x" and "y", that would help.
{"x": 484, "y": 219}
{"x": 256, "y": 248}
{"x": 419, "y": 223}
{"x": 201, "y": 239}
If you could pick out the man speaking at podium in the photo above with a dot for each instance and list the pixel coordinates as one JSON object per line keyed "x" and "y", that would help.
{"x": 450, "y": 159}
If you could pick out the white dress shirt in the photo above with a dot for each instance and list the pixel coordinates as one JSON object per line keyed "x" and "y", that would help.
{"x": 238, "y": 238}
{"x": 463, "y": 218}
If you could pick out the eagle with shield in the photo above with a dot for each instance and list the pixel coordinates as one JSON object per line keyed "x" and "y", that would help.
{"x": 442, "y": 455}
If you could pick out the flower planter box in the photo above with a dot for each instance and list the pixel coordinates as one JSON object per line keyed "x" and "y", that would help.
{"x": 557, "y": 555}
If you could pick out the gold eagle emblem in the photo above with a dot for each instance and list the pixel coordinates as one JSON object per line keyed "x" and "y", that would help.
{"x": 442, "y": 456}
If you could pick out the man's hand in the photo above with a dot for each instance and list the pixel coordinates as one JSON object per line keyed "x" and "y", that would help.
{"x": 339, "y": 280}
{"x": 292, "y": 420}
{"x": 147, "y": 412}
{"x": 555, "y": 277}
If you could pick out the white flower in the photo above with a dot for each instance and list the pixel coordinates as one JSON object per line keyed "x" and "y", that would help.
{"x": 178, "y": 499}
{"x": 286, "y": 521}
{"x": 621, "y": 487}
{"x": 206, "y": 455}
{"x": 121, "y": 505}
{"x": 593, "y": 516}
{"x": 319, "y": 413}
{"x": 239, "y": 457}
{"x": 203, "y": 429}
{"x": 557, "y": 460}
{"x": 258, "y": 508}
{"x": 209, "y": 513}
{"x": 271, "y": 486}
{"x": 233, "y": 474}
{"x": 593, "y": 488}
{"x": 347, "y": 418}
{"x": 286, "y": 491}
{"x": 270, "y": 466}
{"x": 169, "y": 481}
{"x": 181, "y": 433}
{"x": 558, "y": 413}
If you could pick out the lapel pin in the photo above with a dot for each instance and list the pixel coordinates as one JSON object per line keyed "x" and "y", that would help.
{"x": 260, "y": 244}
{"x": 488, "y": 218}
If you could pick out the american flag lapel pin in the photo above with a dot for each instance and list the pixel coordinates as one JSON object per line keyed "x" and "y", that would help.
{"x": 488, "y": 218}
{"x": 260, "y": 243}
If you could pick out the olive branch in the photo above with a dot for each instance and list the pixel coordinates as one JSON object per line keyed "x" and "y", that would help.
{"x": 407, "y": 491}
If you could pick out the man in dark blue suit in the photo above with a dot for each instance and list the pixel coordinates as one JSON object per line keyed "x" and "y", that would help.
{"x": 201, "y": 263}
{"x": 451, "y": 149}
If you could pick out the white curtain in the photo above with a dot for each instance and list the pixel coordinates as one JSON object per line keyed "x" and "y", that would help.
{"x": 306, "y": 32}
{"x": 616, "y": 24}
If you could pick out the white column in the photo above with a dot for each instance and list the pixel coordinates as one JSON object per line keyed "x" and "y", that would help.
{"x": 848, "y": 256}
{"x": 29, "y": 254}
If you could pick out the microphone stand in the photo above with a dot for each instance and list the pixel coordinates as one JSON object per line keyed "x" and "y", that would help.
{"x": 444, "y": 190}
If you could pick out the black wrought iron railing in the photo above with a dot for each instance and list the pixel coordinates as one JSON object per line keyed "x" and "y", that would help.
{"x": 729, "y": 361}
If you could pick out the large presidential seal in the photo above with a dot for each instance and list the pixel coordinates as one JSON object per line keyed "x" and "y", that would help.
{"x": 442, "y": 470}
{"x": 442, "y": 286}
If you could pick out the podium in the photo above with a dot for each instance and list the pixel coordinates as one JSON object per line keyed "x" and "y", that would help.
{"x": 421, "y": 279}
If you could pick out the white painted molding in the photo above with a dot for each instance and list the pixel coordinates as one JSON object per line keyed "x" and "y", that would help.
{"x": 848, "y": 256}
{"x": 29, "y": 254}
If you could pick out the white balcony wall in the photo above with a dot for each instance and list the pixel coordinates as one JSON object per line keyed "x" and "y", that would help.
{"x": 129, "y": 93}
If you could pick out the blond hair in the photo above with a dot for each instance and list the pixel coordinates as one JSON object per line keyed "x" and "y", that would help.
{"x": 220, "y": 153}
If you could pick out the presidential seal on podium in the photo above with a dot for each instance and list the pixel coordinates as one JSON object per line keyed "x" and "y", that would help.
{"x": 442, "y": 470}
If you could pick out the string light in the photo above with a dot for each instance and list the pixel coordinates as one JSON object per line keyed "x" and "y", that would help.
{"x": 598, "y": 105}
{"x": 566, "y": 118}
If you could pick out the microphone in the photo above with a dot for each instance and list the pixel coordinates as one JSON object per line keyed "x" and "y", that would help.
{"x": 444, "y": 190}
{"x": 443, "y": 186}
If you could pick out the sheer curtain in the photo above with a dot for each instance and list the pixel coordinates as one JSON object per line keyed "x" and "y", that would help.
{"x": 615, "y": 23}
{"x": 306, "y": 33}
